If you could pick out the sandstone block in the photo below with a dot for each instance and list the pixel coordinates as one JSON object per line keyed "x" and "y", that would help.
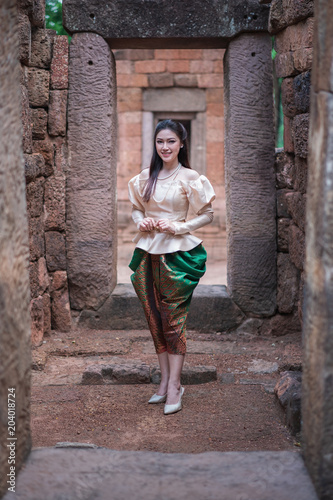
{"x": 54, "y": 199}
{"x": 287, "y": 12}
{"x": 38, "y": 87}
{"x": 34, "y": 166}
{"x": 57, "y": 112}
{"x": 46, "y": 148}
{"x": 284, "y": 65}
{"x": 287, "y": 135}
{"x": 26, "y": 120}
{"x": 135, "y": 54}
{"x": 282, "y": 202}
{"x": 178, "y": 66}
{"x": 303, "y": 59}
{"x": 288, "y": 391}
{"x": 202, "y": 66}
{"x": 35, "y": 197}
{"x": 47, "y": 313}
{"x": 288, "y": 97}
{"x": 58, "y": 281}
{"x": 185, "y": 80}
{"x": 37, "y": 321}
{"x": 60, "y": 310}
{"x": 295, "y": 37}
{"x": 33, "y": 279}
{"x": 43, "y": 277}
{"x": 160, "y": 80}
{"x": 300, "y": 131}
{"x": 296, "y": 206}
{"x": 301, "y": 174}
{"x": 133, "y": 80}
{"x": 287, "y": 289}
{"x": 39, "y": 123}
{"x": 129, "y": 100}
{"x": 24, "y": 31}
{"x": 285, "y": 170}
{"x": 40, "y": 48}
{"x": 59, "y": 63}
{"x": 130, "y": 372}
{"x": 55, "y": 251}
{"x": 296, "y": 244}
{"x": 38, "y": 14}
{"x": 24, "y": 75}
{"x": 214, "y": 80}
{"x": 36, "y": 237}
{"x": 283, "y": 234}
{"x": 148, "y": 66}
{"x": 280, "y": 325}
{"x": 301, "y": 86}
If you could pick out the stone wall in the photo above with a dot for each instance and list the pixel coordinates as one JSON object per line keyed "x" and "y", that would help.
{"x": 15, "y": 359}
{"x": 292, "y": 26}
{"x": 44, "y": 82}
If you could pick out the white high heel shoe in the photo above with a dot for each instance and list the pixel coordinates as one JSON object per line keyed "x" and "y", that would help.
{"x": 157, "y": 399}
{"x": 176, "y": 407}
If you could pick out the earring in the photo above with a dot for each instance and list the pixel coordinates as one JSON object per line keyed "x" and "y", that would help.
{"x": 181, "y": 147}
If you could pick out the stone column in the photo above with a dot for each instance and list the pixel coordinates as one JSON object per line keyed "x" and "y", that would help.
{"x": 250, "y": 185}
{"x": 317, "y": 390}
{"x": 15, "y": 359}
{"x": 91, "y": 181}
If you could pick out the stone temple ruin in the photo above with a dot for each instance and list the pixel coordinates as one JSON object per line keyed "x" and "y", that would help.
{"x": 58, "y": 184}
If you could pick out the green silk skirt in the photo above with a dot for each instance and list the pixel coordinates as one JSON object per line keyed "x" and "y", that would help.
{"x": 164, "y": 284}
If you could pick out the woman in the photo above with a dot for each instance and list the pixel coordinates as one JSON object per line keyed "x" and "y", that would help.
{"x": 168, "y": 261}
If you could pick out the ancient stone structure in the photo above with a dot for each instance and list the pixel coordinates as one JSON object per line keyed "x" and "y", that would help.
{"x": 14, "y": 259}
{"x": 317, "y": 390}
{"x": 44, "y": 82}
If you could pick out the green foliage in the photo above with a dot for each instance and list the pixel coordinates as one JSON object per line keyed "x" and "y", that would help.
{"x": 53, "y": 17}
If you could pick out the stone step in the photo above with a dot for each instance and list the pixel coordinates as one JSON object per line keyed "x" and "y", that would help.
{"x": 98, "y": 473}
{"x": 212, "y": 310}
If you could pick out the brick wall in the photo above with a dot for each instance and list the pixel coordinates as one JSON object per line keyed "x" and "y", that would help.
{"x": 292, "y": 26}
{"x": 138, "y": 70}
{"x": 44, "y": 84}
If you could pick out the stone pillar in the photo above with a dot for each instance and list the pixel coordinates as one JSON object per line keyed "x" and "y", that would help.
{"x": 14, "y": 254}
{"x": 317, "y": 390}
{"x": 250, "y": 185}
{"x": 91, "y": 181}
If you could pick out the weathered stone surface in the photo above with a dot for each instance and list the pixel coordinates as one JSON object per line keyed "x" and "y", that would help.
{"x": 39, "y": 279}
{"x": 301, "y": 174}
{"x": 26, "y": 121}
{"x": 285, "y": 170}
{"x": 288, "y": 392}
{"x": 34, "y": 166}
{"x": 54, "y": 202}
{"x": 166, "y": 24}
{"x": 322, "y": 64}
{"x": 40, "y": 48}
{"x": 190, "y": 374}
{"x": 295, "y": 37}
{"x": 35, "y": 197}
{"x": 36, "y": 237}
{"x": 296, "y": 246}
{"x": 301, "y": 134}
{"x": 91, "y": 181}
{"x": 250, "y": 326}
{"x": 37, "y": 16}
{"x": 60, "y": 310}
{"x": 162, "y": 80}
{"x": 197, "y": 476}
{"x": 129, "y": 372}
{"x": 55, "y": 251}
{"x": 57, "y": 112}
{"x": 24, "y": 29}
{"x": 179, "y": 99}
{"x": 288, "y": 143}
{"x": 283, "y": 234}
{"x": 301, "y": 85}
{"x": 211, "y": 310}
{"x": 39, "y": 123}
{"x": 250, "y": 179}
{"x": 287, "y": 292}
{"x": 286, "y": 12}
{"x": 47, "y": 313}
{"x": 281, "y": 324}
{"x": 185, "y": 80}
{"x": 38, "y": 87}
{"x": 282, "y": 196}
{"x": 263, "y": 366}
{"x": 292, "y": 63}
{"x": 37, "y": 321}
{"x": 59, "y": 63}
{"x": 15, "y": 358}
{"x": 46, "y": 148}
{"x": 296, "y": 207}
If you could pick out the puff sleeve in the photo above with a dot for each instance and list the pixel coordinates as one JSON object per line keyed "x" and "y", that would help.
{"x": 138, "y": 210}
{"x": 200, "y": 194}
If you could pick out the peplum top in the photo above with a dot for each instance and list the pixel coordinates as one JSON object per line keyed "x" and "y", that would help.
{"x": 171, "y": 200}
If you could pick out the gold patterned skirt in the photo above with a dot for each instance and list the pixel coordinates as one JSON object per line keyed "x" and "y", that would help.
{"x": 165, "y": 284}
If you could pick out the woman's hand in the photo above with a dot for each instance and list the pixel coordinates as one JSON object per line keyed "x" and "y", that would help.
{"x": 147, "y": 224}
{"x": 166, "y": 226}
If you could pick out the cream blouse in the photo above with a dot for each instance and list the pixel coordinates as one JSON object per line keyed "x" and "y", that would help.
{"x": 171, "y": 200}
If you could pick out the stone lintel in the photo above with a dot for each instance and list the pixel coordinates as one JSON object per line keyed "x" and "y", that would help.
{"x": 165, "y": 23}
{"x": 185, "y": 100}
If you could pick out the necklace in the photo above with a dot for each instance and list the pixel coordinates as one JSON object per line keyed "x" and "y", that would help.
{"x": 168, "y": 185}
{"x": 173, "y": 172}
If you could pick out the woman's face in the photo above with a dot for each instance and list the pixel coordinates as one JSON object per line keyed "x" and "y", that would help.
{"x": 168, "y": 145}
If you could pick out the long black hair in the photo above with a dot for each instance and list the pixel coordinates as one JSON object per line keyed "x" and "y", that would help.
{"x": 156, "y": 162}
